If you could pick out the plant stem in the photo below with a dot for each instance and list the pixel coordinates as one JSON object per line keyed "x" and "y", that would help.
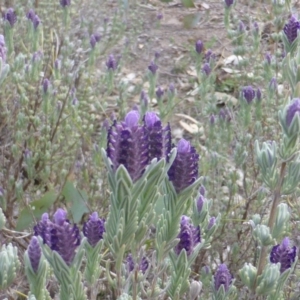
{"x": 276, "y": 198}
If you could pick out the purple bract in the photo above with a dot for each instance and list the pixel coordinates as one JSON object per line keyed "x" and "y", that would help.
{"x": 291, "y": 29}
{"x": 189, "y": 236}
{"x": 184, "y": 170}
{"x": 222, "y": 277}
{"x": 93, "y": 229}
{"x": 283, "y": 254}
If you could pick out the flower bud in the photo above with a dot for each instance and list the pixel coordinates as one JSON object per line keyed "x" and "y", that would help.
{"x": 248, "y": 275}
{"x": 267, "y": 281}
{"x": 282, "y": 218}
{"x": 199, "y": 46}
{"x": 195, "y": 289}
{"x": 262, "y": 234}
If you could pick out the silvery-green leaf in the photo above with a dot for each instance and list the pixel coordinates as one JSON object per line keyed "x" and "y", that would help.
{"x": 37, "y": 280}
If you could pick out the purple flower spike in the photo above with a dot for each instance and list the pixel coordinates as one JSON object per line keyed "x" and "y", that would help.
{"x": 200, "y": 203}
{"x": 11, "y": 17}
{"x": 34, "y": 253}
{"x": 93, "y": 229}
{"x": 93, "y": 41}
{"x": 225, "y": 115}
{"x": 242, "y": 27}
{"x": 172, "y": 88}
{"x": 255, "y": 28}
{"x": 46, "y": 84}
{"x": 273, "y": 85}
{"x": 159, "y": 93}
{"x": 222, "y": 277}
{"x": 199, "y": 46}
{"x": 33, "y": 18}
{"x": 293, "y": 109}
{"x": 128, "y": 145}
{"x": 258, "y": 95}
{"x": 209, "y": 55}
{"x": 65, "y": 3}
{"x": 268, "y": 58}
{"x": 248, "y": 93}
{"x": 211, "y": 223}
{"x": 30, "y": 15}
{"x": 283, "y": 254}
{"x": 189, "y": 236}
{"x": 153, "y": 67}
{"x": 228, "y": 3}
{"x": 291, "y": 29}
{"x": 159, "y": 139}
{"x": 59, "y": 235}
{"x": 159, "y": 16}
{"x": 206, "y": 69}
{"x": 184, "y": 170}
{"x": 111, "y": 63}
{"x": 143, "y": 265}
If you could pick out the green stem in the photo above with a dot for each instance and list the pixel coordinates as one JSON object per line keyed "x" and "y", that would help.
{"x": 272, "y": 217}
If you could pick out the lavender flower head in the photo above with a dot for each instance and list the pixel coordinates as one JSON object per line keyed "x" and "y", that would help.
{"x": 283, "y": 254}
{"x": 211, "y": 223}
{"x": 222, "y": 278}
{"x": 143, "y": 265}
{"x": 33, "y": 18}
{"x": 242, "y": 27}
{"x": 11, "y": 17}
{"x": 160, "y": 16}
{"x": 46, "y": 84}
{"x": 248, "y": 93}
{"x": 225, "y": 115}
{"x": 206, "y": 69}
{"x": 159, "y": 92}
{"x": 189, "y": 236}
{"x": 127, "y": 145}
{"x": 200, "y": 201}
{"x": 293, "y": 109}
{"x": 59, "y": 235}
{"x": 212, "y": 119}
{"x": 291, "y": 29}
{"x": 65, "y": 3}
{"x": 153, "y": 67}
{"x": 255, "y": 28}
{"x": 111, "y": 63}
{"x": 159, "y": 138}
{"x": 94, "y": 39}
{"x": 268, "y": 58}
{"x": 34, "y": 253}
{"x": 184, "y": 170}
{"x": 93, "y": 229}
{"x": 273, "y": 85}
{"x": 228, "y": 3}
{"x": 258, "y": 95}
{"x": 199, "y": 46}
{"x": 209, "y": 55}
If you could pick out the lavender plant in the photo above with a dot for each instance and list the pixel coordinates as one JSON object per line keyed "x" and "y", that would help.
{"x": 136, "y": 223}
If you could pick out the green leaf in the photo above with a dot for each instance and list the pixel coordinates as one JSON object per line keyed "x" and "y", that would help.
{"x": 77, "y": 199}
{"x": 188, "y": 3}
{"x": 35, "y": 210}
